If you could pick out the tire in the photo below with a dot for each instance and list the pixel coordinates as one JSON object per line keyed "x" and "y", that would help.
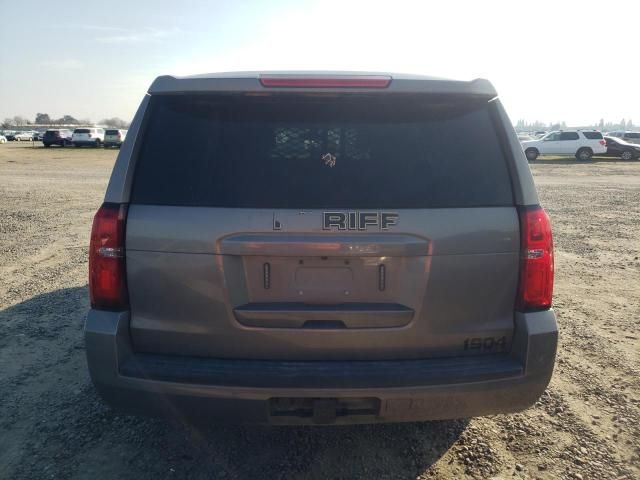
{"x": 626, "y": 155}
{"x": 76, "y": 145}
{"x": 63, "y": 144}
{"x": 98, "y": 143}
{"x": 47, "y": 145}
{"x": 584, "y": 154}
{"x": 531, "y": 154}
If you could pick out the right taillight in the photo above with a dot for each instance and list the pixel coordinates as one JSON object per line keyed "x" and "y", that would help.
{"x": 536, "y": 260}
{"x": 107, "y": 271}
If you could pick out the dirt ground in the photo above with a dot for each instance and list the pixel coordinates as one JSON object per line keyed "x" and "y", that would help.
{"x": 53, "y": 425}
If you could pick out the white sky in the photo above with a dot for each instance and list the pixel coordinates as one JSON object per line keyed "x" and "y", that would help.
{"x": 576, "y": 61}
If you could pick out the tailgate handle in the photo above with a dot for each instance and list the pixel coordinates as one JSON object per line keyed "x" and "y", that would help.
{"x": 323, "y": 316}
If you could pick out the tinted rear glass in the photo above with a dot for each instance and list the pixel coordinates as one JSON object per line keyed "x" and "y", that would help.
{"x": 81, "y": 130}
{"x": 593, "y": 135}
{"x": 302, "y": 152}
{"x": 111, "y": 132}
{"x": 632, "y": 135}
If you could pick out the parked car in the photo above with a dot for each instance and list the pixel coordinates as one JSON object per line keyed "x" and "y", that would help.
{"x": 114, "y": 137}
{"x": 524, "y": 137}
{"x": 10, "y": 135}
{"x": 3, "y": 139}
{"x": 629, "y": 137}
{"x": 37, "y": 136}
{"x": 582, "y": 144}
{"x": 619, "y": 148}
{"x": 24, "y": 136}
{"x": 60, "y": 137}
{"x": 321, "y": 259}
{"x": 91, "y": 137}
{"x": 540, "y": 133}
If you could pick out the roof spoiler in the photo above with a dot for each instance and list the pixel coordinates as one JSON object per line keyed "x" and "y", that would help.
{"x": 320, "y": 82}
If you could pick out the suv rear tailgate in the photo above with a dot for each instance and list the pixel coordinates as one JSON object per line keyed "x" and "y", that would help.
{"x": 454, "y": 274}
{"x": 263, "y": 236}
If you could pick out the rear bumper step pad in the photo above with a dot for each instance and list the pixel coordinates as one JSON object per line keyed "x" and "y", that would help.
{"x": 319, "y": 374}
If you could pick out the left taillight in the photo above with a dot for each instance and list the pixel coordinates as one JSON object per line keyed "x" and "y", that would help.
{"x": 107, "y": 268}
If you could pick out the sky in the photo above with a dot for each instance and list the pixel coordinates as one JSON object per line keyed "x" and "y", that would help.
{"x": 573, "y": 61}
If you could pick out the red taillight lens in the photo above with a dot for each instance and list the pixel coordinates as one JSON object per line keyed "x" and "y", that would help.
{"x": 302, "y": 81}
{"x": 536, "y": 263}
{"x": 603, "y": 142}
{"x": 107, "y": 273}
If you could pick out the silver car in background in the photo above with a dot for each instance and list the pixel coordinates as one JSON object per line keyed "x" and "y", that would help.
{"x": 114, "y": 137}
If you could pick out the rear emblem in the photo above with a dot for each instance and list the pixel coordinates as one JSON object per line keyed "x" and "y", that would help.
{"x": 329, "y": 160}
{"x": 358, "y": 220}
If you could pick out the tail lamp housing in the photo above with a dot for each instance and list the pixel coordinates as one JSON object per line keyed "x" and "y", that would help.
{"x": 107, "y": 269}
{"x": 535, "y": 289}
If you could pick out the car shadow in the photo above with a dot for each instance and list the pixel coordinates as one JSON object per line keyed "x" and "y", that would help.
{"x": 55, "y": 424}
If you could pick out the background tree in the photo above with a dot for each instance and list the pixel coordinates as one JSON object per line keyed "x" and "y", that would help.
{"x": 20, "y": 121}
{"x": 42, "y": 119}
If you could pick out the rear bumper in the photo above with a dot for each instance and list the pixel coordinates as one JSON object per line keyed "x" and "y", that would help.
{"x": 276, "y": 392}
{"x": 85, "y": 142}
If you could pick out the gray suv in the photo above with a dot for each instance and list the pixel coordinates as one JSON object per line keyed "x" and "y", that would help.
{"x": 320, "y": 248}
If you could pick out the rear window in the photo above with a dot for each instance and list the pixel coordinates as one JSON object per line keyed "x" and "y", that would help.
{"x": 111, "y": 132}
{"x": 81, "y": 130}
{"x": 304, "y": 152}
{"x": 593, "y": 135}
{"x": 632, "y": 135}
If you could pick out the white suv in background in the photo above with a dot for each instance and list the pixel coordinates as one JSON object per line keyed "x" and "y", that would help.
{"x": 114, "y": 137}
{"x": 92, "y": 137}
{"x": 582, "y": 144}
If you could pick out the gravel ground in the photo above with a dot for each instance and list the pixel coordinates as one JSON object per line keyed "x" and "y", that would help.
{"x": 53, "y": 425}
